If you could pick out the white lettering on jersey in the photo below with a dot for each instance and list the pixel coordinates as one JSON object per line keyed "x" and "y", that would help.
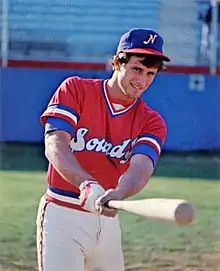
{"x": 79, "y": 143}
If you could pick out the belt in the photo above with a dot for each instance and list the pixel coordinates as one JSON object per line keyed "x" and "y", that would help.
{"x": 63, "y": 198}
{"x": 61, "y": 192}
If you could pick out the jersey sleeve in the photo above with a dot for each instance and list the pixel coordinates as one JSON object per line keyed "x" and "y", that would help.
{"x": 64, "y": 109}
{"x": 151, "y": 139}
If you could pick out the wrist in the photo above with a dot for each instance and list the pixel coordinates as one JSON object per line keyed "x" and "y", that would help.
{"x": 122, "y": 188}
{"x": 86, "y": 179}
{"x": 87, "y": 182}
{"x": 121, "y": 193}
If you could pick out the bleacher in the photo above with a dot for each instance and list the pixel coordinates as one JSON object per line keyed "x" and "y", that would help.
{"x": 89, "y": 30}
{"x": 202, "y": 8}
{"x": 79, "y": 30}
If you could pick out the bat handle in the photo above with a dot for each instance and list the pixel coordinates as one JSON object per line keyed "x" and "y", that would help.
{"x": 116, "y": 204}
{"x": 107, "y": 204}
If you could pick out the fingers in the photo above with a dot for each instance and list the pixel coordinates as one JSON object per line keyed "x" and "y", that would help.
{"x": 109, "y": 212}
{"x": 101, "y": 204}
{"x": 104, "y": 198}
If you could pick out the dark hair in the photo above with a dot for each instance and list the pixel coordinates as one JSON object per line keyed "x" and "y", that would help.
{"x": 148, "y": 61}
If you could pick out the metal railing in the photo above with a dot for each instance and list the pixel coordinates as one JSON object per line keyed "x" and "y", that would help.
{"x": 5, "y": 33}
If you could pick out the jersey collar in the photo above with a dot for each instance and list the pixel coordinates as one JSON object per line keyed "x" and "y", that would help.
{"x": 110, "y": 105}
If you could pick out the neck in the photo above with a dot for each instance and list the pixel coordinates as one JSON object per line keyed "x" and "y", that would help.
{"x": 115, "y": 91}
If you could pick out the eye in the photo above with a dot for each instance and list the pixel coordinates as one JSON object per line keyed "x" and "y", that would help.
{"x": 138, "y": 69}
{"x": 151, "y": 73}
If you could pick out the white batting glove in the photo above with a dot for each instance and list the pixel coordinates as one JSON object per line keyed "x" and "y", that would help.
{"x": 90, "y": 191}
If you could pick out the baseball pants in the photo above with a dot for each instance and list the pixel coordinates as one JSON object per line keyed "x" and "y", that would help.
{"x": 71, "y": 240}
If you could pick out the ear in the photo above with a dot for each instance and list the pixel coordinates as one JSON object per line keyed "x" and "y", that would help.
{"x": 116, "y": 63}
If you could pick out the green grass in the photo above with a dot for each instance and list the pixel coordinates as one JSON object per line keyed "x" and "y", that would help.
{"x": 163, "y": 246}
{"x": 151, "y": 244}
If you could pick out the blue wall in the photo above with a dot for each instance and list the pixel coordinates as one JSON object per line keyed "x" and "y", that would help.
{"x": 192, "y": 115}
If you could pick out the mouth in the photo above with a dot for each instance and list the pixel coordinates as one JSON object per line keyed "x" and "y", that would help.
{"x": 136, "y": 86}
{"x": 137, "y": 89}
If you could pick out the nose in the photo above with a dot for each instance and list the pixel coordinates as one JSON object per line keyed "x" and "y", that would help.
{"x": 142, "y": 81}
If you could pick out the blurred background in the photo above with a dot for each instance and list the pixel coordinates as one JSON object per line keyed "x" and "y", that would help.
{"x": 45, "y": 41}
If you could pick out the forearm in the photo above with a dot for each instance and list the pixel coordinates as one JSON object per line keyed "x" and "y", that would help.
{"x": 63, "y": 160}
{"x": 134, "y": 179}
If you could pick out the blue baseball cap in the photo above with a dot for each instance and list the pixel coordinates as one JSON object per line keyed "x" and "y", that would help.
{"x": 142, "y": 41}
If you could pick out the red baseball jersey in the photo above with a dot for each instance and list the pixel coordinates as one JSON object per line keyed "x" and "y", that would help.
{"x": 105, "y": 132}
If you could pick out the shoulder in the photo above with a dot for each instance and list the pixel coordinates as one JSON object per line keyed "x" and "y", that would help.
{"x": 152, "y": 116}
{"x": 76, "y": 81}
{"x": 153, "y": 122}
{"x": 78, "y": 87}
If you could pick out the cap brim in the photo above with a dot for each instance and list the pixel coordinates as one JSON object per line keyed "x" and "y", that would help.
{"x": 147, "y": 52}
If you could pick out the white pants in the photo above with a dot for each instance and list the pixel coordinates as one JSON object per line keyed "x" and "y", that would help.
{"x": 71, "y": 240}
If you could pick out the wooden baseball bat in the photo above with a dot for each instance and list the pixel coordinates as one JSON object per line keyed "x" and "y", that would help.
{"x": 178, "y": 211}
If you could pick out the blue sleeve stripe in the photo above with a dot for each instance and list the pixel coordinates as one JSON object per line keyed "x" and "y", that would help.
{"x": 159, "y": 141}
{"x": 54, "y": 124}
{"x": 65, "y": 108}
{"x": 146, "y": 150}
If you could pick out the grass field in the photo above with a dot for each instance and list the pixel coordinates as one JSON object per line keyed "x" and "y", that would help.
{"x": 156, "y": 245}
{"x": 147, "y": 244}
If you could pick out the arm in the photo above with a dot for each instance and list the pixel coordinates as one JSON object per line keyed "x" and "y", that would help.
{"x": 144, "y": 158}
{"x": 130, "y": 183}
{"x": 136, "y": 177}
{"x": 58, "y": 153}
{"x": 60, "y": 120}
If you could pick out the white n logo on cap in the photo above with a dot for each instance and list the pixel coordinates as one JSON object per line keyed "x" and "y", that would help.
{"x": 151, "y": 39}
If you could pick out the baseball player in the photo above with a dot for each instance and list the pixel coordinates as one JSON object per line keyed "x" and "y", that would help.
{"x": 102, "y": 143}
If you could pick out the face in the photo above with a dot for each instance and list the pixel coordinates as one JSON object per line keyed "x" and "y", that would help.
{"x": 134, "y": 78}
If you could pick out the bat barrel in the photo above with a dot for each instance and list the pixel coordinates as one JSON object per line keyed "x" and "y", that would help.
{"x": 178, "y": 211}
{"x": 184, "y": 213}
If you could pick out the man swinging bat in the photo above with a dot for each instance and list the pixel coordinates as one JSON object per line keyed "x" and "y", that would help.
{"x": 102, "y": 143}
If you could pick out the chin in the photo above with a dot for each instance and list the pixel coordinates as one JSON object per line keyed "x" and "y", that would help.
{"x": 135, "y": 96}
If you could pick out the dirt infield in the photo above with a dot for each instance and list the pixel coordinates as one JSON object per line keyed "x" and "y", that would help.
{"x": 170, "y": 269}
